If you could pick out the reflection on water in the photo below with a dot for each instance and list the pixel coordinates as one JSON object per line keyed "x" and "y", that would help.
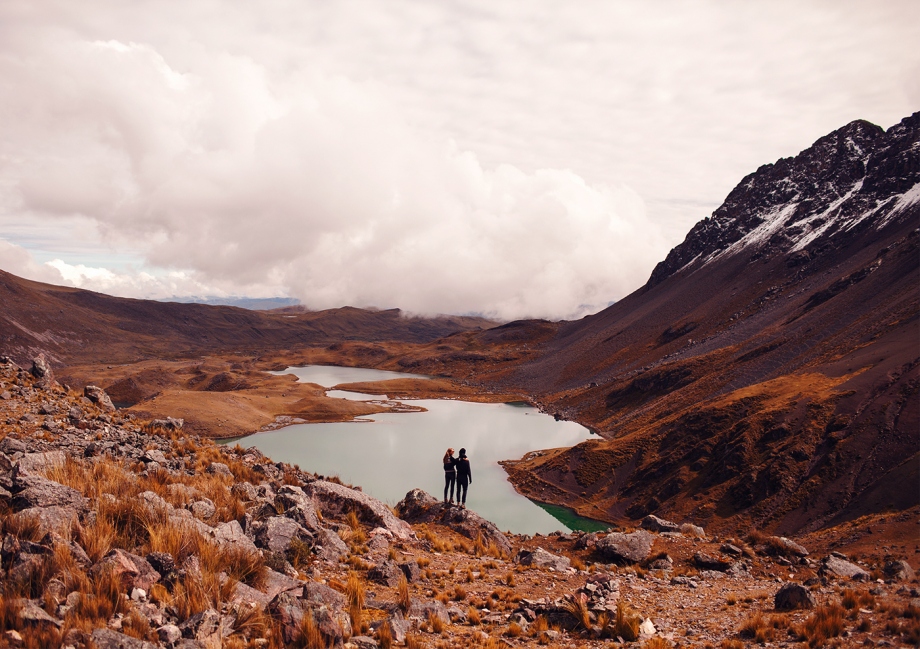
{"x": 331, "y": 375}
{"x": 402, "y": 451}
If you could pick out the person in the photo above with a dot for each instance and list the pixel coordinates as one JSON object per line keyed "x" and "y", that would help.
{"x": 464, "y": 477}
{"x": 450, "y": 475}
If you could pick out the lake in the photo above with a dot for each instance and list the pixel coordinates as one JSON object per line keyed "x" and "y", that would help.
{"x": 390, "y": 454}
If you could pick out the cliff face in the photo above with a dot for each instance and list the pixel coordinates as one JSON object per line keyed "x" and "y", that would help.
{"x": 767, "y": 373}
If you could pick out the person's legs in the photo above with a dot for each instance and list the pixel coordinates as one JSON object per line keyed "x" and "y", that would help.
{"x": 461, "y": 491}
{"x": 449, "y": 479}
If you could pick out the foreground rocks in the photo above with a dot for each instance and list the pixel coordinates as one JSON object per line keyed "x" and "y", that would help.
{"x": 277, "y": 553}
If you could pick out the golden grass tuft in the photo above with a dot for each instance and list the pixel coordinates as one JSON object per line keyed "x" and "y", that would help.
{"x": 757, "y": 628}
{"x": 403, "y": 600}
{"x": 435, "y": 622}
{"x": 825, "y": 623}
{"x": 384, "y": 636}
{"x": 577, "y": 607}
{"x": 625, "y": 624}
{"x": 472, "y": 614}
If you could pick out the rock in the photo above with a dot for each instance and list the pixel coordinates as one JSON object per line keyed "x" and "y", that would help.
{"x": 41, "y": 369}
{"x": 41, "y": 492}
{"x": 647, "y": 629}
{"x": 54, "y": 519}
{"x": 135, "y": 571}
{"x": 232, "y": 534}
{"x": 203, "y": 509}
{"x": 169, "y": 634}
{"x": 31, "y": 612}
{"x": 792, "y": 597}
{"x": 169, "y": 423}
{"x": 208, "y": 627}
{"x": 731, "y": 550}
{"x": 386, "y": 572}
{"x": 661, "y": 563}
{"x": 109, "y": 639}
{"x": 708, "y": 562}
{"x": 99, "y": 397}
{"x": 411, "y": 570}
{"x": 634, "y": 547}
{"x": 542, "y": 559}
{"x": 298, "y": 506}
{"x": 655, "y": 524}
{"x": 274, "y": 584}
{"x": 289, "y": 612}
{"x": 249, "y": 597}
{"x": 457, "y": 615}
{"x": 782, "y": 545}
{"x": 163, "y": 563}
{"x": 834, "y": 565}
{"x": 585, "y": 541}
{"x": 693, "y": 531}
{"x": 154, "y": 455}
{"x": 362, "y": 642}
{"x": 899, "y": 571}
{"x": 11, "y": 445}
{"x": 328, "y": 546}
{"x": 337, "y": 499}
{"x": 321, "y": 595}
{"x": 38, "y": 463}
{"x": 245, "y": 491}
{"x": 420, "y": 507}
{"x": 277, "y": 533}
{"x": 219, "y": 468}
{"x": 421, "y": 610}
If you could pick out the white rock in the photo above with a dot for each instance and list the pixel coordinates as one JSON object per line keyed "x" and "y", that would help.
{"x": 647, "y": 629}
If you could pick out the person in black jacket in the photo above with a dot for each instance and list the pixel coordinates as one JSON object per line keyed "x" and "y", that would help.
{"x": 450, "y": 475}
{"x": 464, "y": 477}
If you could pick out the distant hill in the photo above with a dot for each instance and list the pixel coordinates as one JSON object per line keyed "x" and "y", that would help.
{"x": 76, "y": 326}
{"x": 251, "y": 303}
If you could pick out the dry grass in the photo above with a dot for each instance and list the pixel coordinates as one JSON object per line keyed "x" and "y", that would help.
{"x": 657, "y": 643}
{"x": 757, "y": 628}
{"x": 403, "y": 600}
{"x": 308, "y": 634}
{"x": 825, "y": 623}
{"x": 355, "y": 593}
{"x": 577, "y": 607}
{"x": 384, "y": 636}
{"x": 625, "y": 624}
{"x": 472, "y": 614}
{"x": 435, "y": 622}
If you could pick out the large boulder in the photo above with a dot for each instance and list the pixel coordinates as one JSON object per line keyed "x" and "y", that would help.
{"x": 834, "y": 565}
{"x": 633, "y": 548}
{"x": 421, "y": 507}
{"x": 387, "y": 573}
{"x": 135, "y": 571}
{"x": 542, "y": 559}
{"x": 793, "y": 597}
{"x": 655, "y": 524}
{"x": 39, "y": 463}
{"x": 289, "y": 612}
{"x": 41, "y": 369}
{"x": 232, "y": 534}
{"x": 278, "y": 533}
{"x": 899, "y": 571}
{"x": 36, "y": 491}
{"x": 98, "y": 396}
{"x": 335, "y": 499}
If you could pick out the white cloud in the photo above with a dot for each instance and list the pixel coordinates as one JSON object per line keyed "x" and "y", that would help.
{"x": 520, "y": 159}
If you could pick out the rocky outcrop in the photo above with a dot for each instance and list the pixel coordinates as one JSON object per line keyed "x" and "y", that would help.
{"x": 335, "y": 499}
{"x": 421, "y": 507}
{"x": 540, "y": 558}
{"x": 838, "y": 566}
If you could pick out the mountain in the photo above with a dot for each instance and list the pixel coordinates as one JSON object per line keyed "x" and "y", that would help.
{"x": 72, "y": 325}
{"x": 252, "y": 303}
{"x": 767, "y": 373}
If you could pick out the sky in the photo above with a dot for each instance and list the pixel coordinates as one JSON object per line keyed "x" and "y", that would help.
{"x": 508, "y": 159}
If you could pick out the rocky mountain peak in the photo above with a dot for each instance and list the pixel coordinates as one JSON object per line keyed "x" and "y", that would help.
{"x": 855, "y": 177}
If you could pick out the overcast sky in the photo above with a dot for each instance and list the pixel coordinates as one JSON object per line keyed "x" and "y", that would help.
{"x": 505, "y": 158}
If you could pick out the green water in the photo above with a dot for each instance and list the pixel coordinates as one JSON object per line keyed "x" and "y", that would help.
{"x": 397, "y": 452}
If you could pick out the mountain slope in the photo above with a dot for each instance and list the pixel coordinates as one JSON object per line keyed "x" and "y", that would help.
{"x": 73, "y": 325}
{"x": 768, "y": 371}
